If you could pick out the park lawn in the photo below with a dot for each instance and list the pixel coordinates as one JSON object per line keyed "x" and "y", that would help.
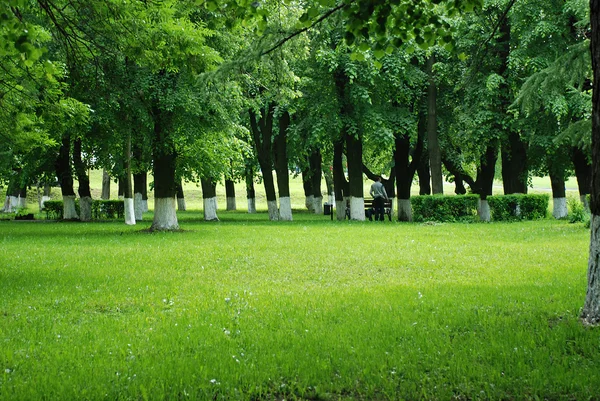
{"x": 310, "y": 309}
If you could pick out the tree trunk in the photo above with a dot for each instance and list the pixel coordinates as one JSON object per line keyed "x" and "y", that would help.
{"x": 591, "y": 308}
{"x": 309, "y": 199}
{"x": 180, "y": 197}
{"x": 485, "y": 179}
{"x": 424, "y": 176}
{"x": 559, "y": 197}
{"x": 514, "y": 165}
{"x": 105, "y": 185}
{"x": 281, "y": 167}
{"x": 140, "y": 195}
{"x": 85, "y": 194}
{"x": 433, "y": 146}
{"x": 165, "y": 187}
{"x": 315, "y": 177}
{"x": 340, "y": 185}
{"x": 128, "y": 189}
{"x": 250, "y": 192}
{"x": 65, "y": 178}
{"x": 209, "y": 196}
{"x": 328, "y": 175}
{"x": 45, "y": 195}
{"x": 355, "y": 177}
{"x": 262, "y": 133}
{"x": 583, "y": 172}
{"x": 230, "y": 195}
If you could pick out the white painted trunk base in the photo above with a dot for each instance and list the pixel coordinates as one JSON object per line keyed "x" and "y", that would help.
{"x": 14, "y": 203}
{"x": 6, "y": 207}
{"x": 393, "y": 210}
{"x": 483, "y": 210}
{"x": 145, "y": 203}
{"x": 357, "y": 208}
{"x": 273, "y": 211}
{"x": 310, "y": 202}
{"x": 340, "y": 210}
{"x": 318, "y": 205}
{"x": 285, "y": 208}
{"x": 210, "y": 209}
{"x": 138, "y": 206}
{"x": 22, "y": 203}
{"x": 331, "y": 199}
{"x": 231, "y": 205}
{"x": 251, "y": 205}
{"x": 559, "y": 208}
{"x": 181, "y": 204}
{"x": 404, "y": 210}
{"x": 165, "y": 216}
{"x": 85, "y": 208}
{"x": 129, "y": 212}
{"x": 69, "y": 211}
{"x": 43, "y": 200}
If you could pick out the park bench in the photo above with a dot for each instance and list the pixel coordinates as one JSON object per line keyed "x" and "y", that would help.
{"x": 370, "y": 210}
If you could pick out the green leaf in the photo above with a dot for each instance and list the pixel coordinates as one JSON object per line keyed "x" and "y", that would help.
{"x": 379, "y": 54}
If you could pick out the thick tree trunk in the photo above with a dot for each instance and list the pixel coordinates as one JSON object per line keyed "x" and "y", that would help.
{"x": 583, "y": 172}
{"x": 250, "y": 192}
{"x": 105, "y": 185}
{"x": 85, "y": 194}
{"x": 485, "y": 180}
{"x": 230, "y": 195}
{"x": 45, "y": 195}
{"x": 514, "y": 165}
{"x": 355, "y": 177}
{"x": 281, "y": 168}
{"x": 340, "y": 185}
{"x": 559, "y": 197}
{"x": 180, "y": 198}
{"x": 209, "y": 197}
{"x": 165, "y": 187}
{"x": 262, "y": 133}
{"x": 65, "y": 178}
{"x": 433, "y": 146}
{"x": 140, "y": 194}
{"x": 328, "y": 175}
{"x": 424, "y": 176}
{"x": 128, "y": 190}
{"x": 315, "y": 177}
{"x": 309, "y": 199}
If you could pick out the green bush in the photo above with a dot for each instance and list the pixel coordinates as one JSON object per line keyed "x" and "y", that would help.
{"x": 577, "y": 212}
{"x": 518, "y": 207}
{"x": 444, "y": 208}
{"x": 101, "y": 209}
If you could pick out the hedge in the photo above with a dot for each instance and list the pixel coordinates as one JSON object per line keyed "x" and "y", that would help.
{"x": 101, "y": 209}
{"x": 444, "y": 208}
{"x": 519, "y": 207}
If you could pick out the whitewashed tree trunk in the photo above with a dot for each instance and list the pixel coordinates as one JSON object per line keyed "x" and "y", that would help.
{"x": 181, "y": 204}
{"x": 129, "y": 211}
{"x": 340, "y": 210}
{"x": 6, "y": 207}
{"x": 357, "y": 208}
{"x": 591, "y": 308}
{"x": 69, "y": 211}
{"x": 585, "y": 203}
{"x": 285, "y": 208}
{"x": 85, "y": 208}
{"x": 231, "y": 204}
{"x": 559, "y": 209}
{"x": 251, "y": 205}
{"x": 310, "y": 202}
{"x": 404, "y": 210}
{"x": 210, "y": 209}
{"x": 145, "y": 204}
{"x": 138, "y": 206}
{"x": 43, "y": 200}
{"x": 165, "y": 216}
{"x": 483, "y": 210}
{"x": 331, "y": 199}
{"x": 318, "y": 205}
{"x": 13, "y": 204}
{"x": 273, "y": 211}
{"x": 393, "y": 209}
{"x": 22, "y": 202}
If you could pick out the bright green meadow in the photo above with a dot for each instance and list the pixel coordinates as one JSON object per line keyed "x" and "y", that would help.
{"x": 310, "y": 309}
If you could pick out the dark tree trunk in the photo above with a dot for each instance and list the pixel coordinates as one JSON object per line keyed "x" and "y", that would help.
{"x": 281, "y": 158}
{"x": 181, "y": 197}
{"x": 209, "y": 196}
{"x": 230, "y": 195}
{"x": 85, "y": 194}
{"x": 315, "y": 162}
{"x": 583, "y": 171}
{"x": 355, "y": 177}
{"x": 105, "y": 185}
{"x": 307, "y": 187}
{"x": 340, "y": 184}
{"x": 485, "y": 179}
{"x": 140, "y": 194}
{"x": 424, "y": 176}
{"x": 559, "y": 200}
{"x": 591, "y": 308}
{"x": 433, "y": 146}
{"x": 514, "y": 165}
{"x": 250, "y": 191}
{"x": 459, "y": 176}
{"x": 262, "y": 133}
{"x": 65, "y": 178}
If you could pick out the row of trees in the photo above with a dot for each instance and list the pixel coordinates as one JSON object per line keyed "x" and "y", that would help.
{"x": 221, "y": 91}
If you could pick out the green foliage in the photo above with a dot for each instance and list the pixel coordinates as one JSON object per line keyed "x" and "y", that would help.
{"x": 54, "y": 209}
{"x": 101, "y": 209}
{"x": 518, "y": 207}
{"x": 577, "y": 211}
{"x": 444, "y": 208}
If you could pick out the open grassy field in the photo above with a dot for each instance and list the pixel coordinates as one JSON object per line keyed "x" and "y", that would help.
{"x": 311, "y": 309}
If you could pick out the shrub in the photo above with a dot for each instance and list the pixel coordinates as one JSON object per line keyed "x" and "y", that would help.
{"x": 577, "y": 212}
{"x": 518, "y": 207}
{"x": 107, "y": 209}
{"x": 444, "y": 208}
{"x": 53, "y": 209}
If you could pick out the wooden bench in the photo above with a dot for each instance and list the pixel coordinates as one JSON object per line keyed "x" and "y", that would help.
{"x": 370, "y": 209}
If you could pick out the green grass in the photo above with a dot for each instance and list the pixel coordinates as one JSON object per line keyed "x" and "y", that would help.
{"x": 310, "y": 309}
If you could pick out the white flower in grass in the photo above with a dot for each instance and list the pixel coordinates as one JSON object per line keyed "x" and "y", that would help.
{"x": 7, "y": 370}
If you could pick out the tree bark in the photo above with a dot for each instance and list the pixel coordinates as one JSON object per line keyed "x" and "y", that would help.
{"x": 65, "y": 178}
{"x": 355, "y": 177}
{"x": 340, "y": 185}
{"x": 433, "y": 146}
{"x": 559, "y": 197}
{"x": 230, "y": 195}
{"x": 140, "y": 194}
{"x": 180, "y": 197}
{"x": 309, "y": 199}
{"x": 514, "y": 165}
{"x": 209, "y": 196}
{"x": 315, "y": 177}
{"x": 424, "y": 176}
{"x": 105, "y": 185}
{"x": 262, "y": 133}
{"x": 281, "y": 168}
{"x": 85, "y": 194}
{"x": 583, "y": 172}
{"x": 250, "y": 192}
{"x": 485, "y": 179}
